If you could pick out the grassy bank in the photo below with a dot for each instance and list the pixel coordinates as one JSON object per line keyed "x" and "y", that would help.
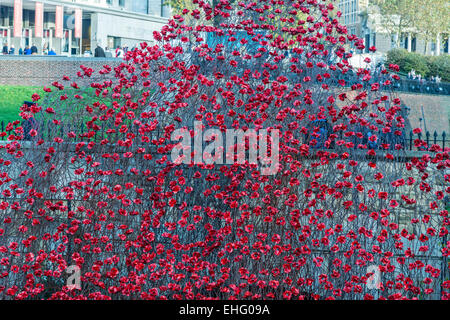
{"x": 12, "y": 98}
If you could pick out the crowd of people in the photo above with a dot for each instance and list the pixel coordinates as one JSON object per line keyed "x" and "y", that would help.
{"x": 413, "y": 75}
{"x": 120, "y": 52}
{"x": 33, "y": 50}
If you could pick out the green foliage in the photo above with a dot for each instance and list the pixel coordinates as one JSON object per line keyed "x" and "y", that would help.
{"x": 427, "y": 66}
{"x": 408, "y": 61}
{"x": 396, "y": 16}
{"x": 427, "y": 17}
{"x": 12, "y": 98}
{"x": 440, "y": 66}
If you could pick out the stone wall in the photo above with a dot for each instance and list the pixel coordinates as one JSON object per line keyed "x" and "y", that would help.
{"x": 430, "y": 112}
{"x": 383, "y": 44}
{"x": 43, "y": 70}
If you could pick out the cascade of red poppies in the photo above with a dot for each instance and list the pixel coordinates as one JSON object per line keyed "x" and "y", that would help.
{"x": 87, "y": 179}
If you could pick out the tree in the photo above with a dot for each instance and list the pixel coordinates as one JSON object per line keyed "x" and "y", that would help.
{"x": 431, "y": 20}
{"x": 177, "y": 7}
{"x": 395, "y": 16}
{"x": 191, "y": 13}
{"x": 111, "y": 174}
{"x": 427, "y": 19}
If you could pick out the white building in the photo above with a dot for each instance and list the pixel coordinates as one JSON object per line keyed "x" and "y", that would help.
{"x": 72, "y": 27}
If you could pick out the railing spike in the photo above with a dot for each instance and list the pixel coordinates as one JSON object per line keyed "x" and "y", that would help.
{"x": 443, "y": 139}
{"x": 410, "y": 140}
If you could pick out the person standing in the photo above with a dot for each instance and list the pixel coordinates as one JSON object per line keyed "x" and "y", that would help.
{"x": 99, "y": 52}
{"x": 5, "y": 49}
{"x": 34, "y": 49}
{"x": 119, "y": 52}
{"x": 45, "y": 49}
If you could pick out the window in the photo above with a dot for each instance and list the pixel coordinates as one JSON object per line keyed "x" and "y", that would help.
{"x": 139, "y": 6}
{"x": 4, "y": 16}
{"x": 367, "y": 43}
{"x": 28, "y": 18}
{"x": 49, "y": 19}
{"x": 122, "y": 3}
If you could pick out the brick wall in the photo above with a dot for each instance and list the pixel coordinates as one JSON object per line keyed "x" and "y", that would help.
{"x": 43, "y": 70}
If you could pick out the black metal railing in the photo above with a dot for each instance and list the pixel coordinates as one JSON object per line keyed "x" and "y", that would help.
{"x": 425, "y": 87}
{"x": 409, "y": 141}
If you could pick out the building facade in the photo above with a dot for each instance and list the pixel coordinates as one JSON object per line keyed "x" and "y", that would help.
{"x": 364, "y": 21}
{"x": 73, "y": 27}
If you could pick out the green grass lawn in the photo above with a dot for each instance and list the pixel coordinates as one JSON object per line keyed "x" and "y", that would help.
{"x": 12, "y": 98}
